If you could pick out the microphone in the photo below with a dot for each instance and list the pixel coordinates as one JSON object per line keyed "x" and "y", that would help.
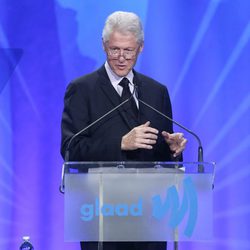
{"x": 66, "y": 159}
{"x": 200, "y": 148}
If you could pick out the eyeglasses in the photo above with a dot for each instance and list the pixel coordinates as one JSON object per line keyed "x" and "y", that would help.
{"x": 128, "y": 54}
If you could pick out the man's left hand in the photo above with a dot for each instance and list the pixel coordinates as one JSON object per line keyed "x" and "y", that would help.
{"x": 176, "y": 142}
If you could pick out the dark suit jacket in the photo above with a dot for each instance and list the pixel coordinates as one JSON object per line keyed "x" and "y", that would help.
{"x": 89, "y": 97}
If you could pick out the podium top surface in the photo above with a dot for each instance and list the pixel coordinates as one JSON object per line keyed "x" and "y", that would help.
{"x": 139, "y": 167}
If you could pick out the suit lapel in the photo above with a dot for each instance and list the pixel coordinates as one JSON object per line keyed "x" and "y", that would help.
{"x": 111, "y": 94}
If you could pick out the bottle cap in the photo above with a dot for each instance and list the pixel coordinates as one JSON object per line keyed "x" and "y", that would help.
{"x": 26, "y": 238}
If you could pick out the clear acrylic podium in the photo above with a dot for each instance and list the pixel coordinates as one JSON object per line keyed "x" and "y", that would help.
{"x": 137, "y": 201}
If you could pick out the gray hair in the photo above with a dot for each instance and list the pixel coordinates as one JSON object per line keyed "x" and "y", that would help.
{"x": 123, "y": 22}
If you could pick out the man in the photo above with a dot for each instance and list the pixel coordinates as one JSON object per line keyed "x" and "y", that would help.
{"x": 133, "y": 132}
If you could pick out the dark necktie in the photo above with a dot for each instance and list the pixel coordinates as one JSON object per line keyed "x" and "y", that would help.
{"x": 130, "y": 105}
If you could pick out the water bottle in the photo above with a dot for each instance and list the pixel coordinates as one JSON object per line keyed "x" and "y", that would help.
{"x": 26, "y": 245}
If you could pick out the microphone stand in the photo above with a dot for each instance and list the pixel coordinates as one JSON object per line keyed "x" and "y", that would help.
{"x": 200, "y": 149}
{"x": 61, "y": 188}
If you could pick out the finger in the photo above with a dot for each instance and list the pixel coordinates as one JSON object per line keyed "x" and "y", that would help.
{"x": 150, "y": 130}
{"x": 169, "y": 138}
{"x": 176, "y": 136}
{"x": 146, "y": 141}
{"x": 150, "y": 136}
{"x": 165, "y": 134}
{"x": 145, "y": 133}
{"x": 178, "y": 150}
{"x": 183, "y": 143}
{"x": 166, "y": 137}
{"x": 146, "y": 136}
{"x": 175, "y": 146}
{"x": 146, "y": 128}
{"x": 143, "y": 146}
{"x": 146, "y": 124}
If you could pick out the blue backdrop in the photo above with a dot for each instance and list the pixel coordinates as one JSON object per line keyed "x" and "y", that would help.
{"x": 198, "y": 48}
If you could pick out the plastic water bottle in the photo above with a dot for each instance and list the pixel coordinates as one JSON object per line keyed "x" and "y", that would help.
{"x": 26, "y": 245}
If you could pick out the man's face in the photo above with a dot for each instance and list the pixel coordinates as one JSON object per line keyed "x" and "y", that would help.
{"x": 122, "y": 51}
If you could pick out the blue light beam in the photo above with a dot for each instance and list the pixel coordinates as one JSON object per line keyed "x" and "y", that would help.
{"x": 229, "y": 65}
{"x": 211, "y": 10}
{"x": 243, "y": 107}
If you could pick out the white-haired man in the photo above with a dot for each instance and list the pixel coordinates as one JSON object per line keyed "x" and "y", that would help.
{"x": 133, "y": 132}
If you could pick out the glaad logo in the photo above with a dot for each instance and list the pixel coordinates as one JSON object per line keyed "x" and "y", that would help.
{"x": 177, "y": 211}
{"x": 88, "y": 211}
{"x": 171, "y": 204}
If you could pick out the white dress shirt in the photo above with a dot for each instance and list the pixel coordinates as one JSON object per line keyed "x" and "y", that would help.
{"x": 115, "y": 80}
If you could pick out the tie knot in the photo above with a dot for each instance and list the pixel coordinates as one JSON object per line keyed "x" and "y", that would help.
{"x": 124, "y": 82}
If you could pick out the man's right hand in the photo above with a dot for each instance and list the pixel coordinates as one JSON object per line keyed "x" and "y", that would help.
{"x": 142, "y": 136}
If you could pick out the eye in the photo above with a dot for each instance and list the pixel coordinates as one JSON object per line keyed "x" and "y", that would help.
{"x": 115, "y": 50}
{"x": 129, "y": 50}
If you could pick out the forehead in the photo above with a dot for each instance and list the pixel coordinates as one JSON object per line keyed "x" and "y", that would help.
{"x": 122, "y": 39}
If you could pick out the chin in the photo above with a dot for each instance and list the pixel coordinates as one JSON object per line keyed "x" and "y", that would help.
{"x": 121, "y": 73}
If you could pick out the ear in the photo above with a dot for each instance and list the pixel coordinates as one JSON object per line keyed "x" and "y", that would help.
{"x": 141, "y": 47}
{"x": 103, "y": 45}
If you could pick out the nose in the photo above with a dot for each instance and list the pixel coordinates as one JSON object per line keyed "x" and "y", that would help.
{"x": 121, "y": 53}
{"x": 121, "y": 57}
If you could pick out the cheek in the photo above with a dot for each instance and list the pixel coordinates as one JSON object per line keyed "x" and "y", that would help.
{"x": 111, "y": 63}
{"x": 131, "y": 63}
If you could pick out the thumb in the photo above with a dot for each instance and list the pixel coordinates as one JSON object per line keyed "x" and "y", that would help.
{"x": 146, "y": 124}
{"x": 165, "y": 134}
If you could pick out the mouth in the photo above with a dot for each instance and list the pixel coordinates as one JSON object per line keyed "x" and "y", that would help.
{"x": 121, "y": 67}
